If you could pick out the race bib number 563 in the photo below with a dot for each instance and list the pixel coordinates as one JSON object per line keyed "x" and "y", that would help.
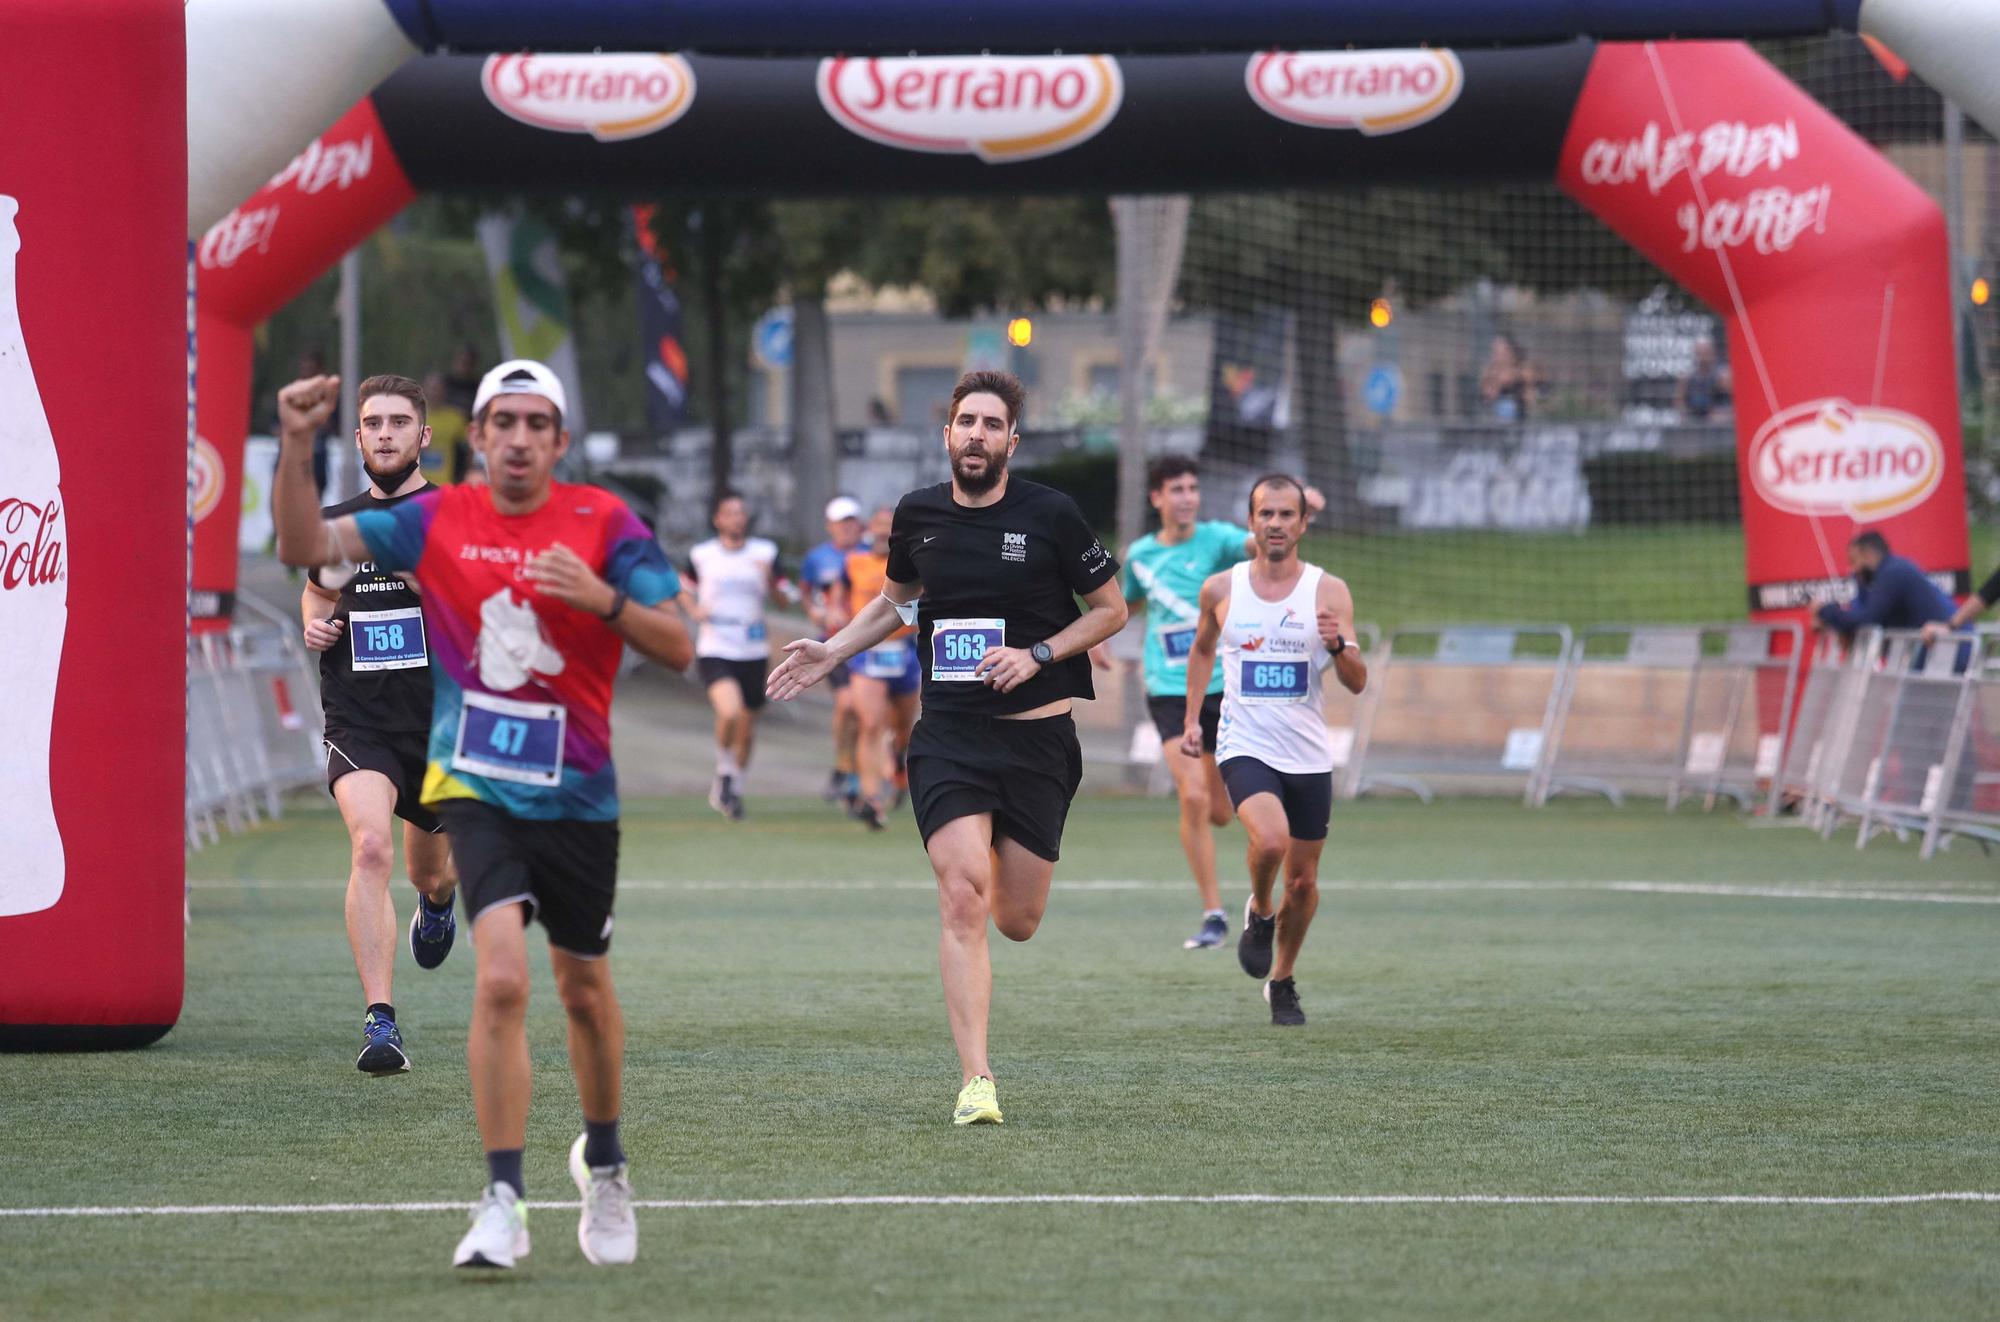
{"x": 958, "y": 645}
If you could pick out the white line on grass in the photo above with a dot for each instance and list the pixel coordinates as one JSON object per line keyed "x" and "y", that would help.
{"x": 1083, "y": 1199}
{"x": 1727, "y": 890}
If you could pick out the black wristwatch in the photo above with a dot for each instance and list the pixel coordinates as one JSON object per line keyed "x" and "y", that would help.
{"x": 1339, "y": 645}
{"x": 1043, "y": 656}
{"x": 618, "y": 600}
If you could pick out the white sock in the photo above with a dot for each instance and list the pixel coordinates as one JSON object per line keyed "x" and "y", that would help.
{"x": 725, "y": 763}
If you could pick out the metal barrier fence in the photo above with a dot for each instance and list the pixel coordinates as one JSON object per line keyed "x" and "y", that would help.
{"x": 1972, "y": 756}
{"x": 254, "y": 726}
{"x": 1447, "y": 700}
{"x": 1679, "y": 710}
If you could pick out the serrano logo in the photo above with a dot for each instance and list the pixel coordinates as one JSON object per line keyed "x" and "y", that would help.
{"x": 1371, "y": 91}
{"x": 610, "y": 97}
{"x": 996, "y": 107}
{"x": 206, "y": 489}
{"x": 1828, "y": 456}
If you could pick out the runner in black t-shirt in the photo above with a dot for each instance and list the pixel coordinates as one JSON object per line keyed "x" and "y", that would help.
{"x": 375, "y": 687}
{"x": 989, "y": 570}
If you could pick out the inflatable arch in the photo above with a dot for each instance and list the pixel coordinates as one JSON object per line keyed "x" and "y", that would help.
{"x": 1828, "y": 264}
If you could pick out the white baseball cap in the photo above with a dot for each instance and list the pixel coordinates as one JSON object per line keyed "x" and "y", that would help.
{"x": 842, "y": 507}
{"x": 520, "y": 376}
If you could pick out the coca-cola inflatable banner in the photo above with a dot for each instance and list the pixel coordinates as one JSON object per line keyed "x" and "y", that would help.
{"x": 93, "y": 464}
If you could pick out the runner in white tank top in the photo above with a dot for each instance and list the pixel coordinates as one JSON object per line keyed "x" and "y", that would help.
{"x": 730, "y": 578}
{"x": 1271, "y": 656}
{"x": 1274, "y": 623}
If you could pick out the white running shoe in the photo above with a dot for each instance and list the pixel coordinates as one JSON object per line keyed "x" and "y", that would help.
{"x": 607, "y": 1231}
{"x": 499, "y": 1234}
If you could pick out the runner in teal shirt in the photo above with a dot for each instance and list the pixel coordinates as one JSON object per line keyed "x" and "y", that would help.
{"x": 1164, "y": 573}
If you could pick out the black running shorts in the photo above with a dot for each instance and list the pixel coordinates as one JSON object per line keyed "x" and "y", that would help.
{"x": 1170, "y": 718}
{"x": 1307, "y": 795}
{"x": 1023, "y": 772}
{"x": 749, "y": 676}
{"x": 400, "y": 757}
{"x": 563, "y": 872}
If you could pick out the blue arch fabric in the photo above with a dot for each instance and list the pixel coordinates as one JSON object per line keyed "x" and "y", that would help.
{"x": 823, "y": 27}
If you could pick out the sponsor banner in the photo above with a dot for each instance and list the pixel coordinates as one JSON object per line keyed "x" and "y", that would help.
{"x": 660, "y": 325}
{"x": 95, "y": 171}
{"x": 1367, "y": 91}
{"x": 223, "y": 351}
{"x": 997, "y": 107}
{"x": 331, "y": 196}
{"x": 610, "y": 97}
{"x": 1806, "y": 594}
{"x": 531, "y": 297}
{"x": 1830, "y": 270}
{"x": 946, "y": 124}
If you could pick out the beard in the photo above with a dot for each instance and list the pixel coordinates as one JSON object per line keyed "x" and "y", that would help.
{"x": 980, "y": 483}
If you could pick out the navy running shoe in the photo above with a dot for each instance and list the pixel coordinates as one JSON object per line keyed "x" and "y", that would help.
{"x": 431, "y": 933}
{"x": 1214, "y": 931}
{"x": 1253, "y": 947}
{"x": 381, "y": 1048}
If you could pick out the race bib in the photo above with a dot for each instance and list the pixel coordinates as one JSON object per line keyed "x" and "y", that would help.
{"x": 1177, "y": 643}
{"x": 505, "y": 739}
{"x": 387, "y": 640}
{"x": 957, "y": 646}
{"x": 1272, "y": 681}
{"x": 755, "y": 632}
{"x": 889, "y": 662}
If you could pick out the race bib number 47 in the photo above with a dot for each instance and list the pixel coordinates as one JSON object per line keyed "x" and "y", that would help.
{"x": 505, "y": 739}
{"x": 958, "y": 645}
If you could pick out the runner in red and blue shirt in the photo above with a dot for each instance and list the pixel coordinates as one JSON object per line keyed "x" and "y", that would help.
{"x": 530, "y": 587}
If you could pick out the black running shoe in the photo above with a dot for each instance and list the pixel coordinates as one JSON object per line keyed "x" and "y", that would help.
{"x": 836, "y": 787}
{"x": 381, "y": 1048}
{"x": 1282, "y": 995}
{"x": 1253, "y": 947}
{"x": 866, "y": 812}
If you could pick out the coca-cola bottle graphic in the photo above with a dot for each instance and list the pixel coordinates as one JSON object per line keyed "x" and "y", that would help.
{"x": 34, "y": 610}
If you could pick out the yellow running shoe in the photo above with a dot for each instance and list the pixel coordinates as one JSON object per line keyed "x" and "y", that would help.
{"x": 977, "y": 1103}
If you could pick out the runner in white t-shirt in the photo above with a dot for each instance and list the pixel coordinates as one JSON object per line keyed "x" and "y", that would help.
{"x": 1274, "y": 623}
{"x": 731, "y": 577}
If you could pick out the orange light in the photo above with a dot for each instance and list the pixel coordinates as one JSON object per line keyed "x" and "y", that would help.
{"x": 1380, "y": 314}
{"x": 1982, "y": 293}
{"x": 1020, "y": 332}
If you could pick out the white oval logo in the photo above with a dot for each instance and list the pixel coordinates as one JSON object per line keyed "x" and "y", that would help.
{"x": 610, "y": 97}
{"x": 996, "y": 107}
{"x": 206, "y": 489}
{"x": 1828, "y": 456}
{"x": 1370, "y": 91}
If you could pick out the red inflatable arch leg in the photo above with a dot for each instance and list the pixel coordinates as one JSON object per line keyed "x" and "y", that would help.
{"x": 93, "y": 329}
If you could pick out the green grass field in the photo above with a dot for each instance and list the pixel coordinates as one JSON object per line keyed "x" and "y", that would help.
{"x": 1676, "y": 574}
{"x": 1488, "y": 1017}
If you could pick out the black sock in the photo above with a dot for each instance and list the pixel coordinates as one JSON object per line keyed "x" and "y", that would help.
{"x": 504, "y": 1167}
{"x": 600, "y": 1143}
{"x": 383, "y": 1010}
{"x": 435, "y": 908}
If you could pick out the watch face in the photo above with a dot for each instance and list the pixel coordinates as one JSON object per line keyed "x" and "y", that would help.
{"x": 1041, "y": 653}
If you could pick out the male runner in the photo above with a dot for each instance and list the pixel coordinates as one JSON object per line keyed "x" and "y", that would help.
{"x": 1163, "y": 573}
{"x": 1276, "y": 623}
{"x": 988, "y": 569}
{"x": 732, "y": 575}
{"x": 885, "y": 683}
{"x": 375, "y": 689}
{"x": 823, "y": 580}
{"x": 529, "y": 586}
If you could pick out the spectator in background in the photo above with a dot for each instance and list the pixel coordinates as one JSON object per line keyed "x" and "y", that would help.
{"x": 1889, "y": 591}
{"x": 1705, "y": 388}
{"x": 461, "y": 382}
{"x": 1509, "y": 383}
{"x": 450, "y": 433}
